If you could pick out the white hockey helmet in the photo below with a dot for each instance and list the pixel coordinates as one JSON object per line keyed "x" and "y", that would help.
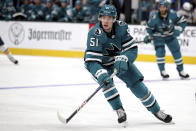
{"x": 187, "y": 6}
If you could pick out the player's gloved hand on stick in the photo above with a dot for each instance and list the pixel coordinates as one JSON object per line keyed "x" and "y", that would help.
{"x": 103, "y": 77}
{"x": 121, "y": 64}
{"x": 147, "y": 39}
{"x": 176, "y": 33}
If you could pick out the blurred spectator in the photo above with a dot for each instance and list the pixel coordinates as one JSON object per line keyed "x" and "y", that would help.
{"x": 94, "y": 6}
{"x": 65, "y": 12}
{"x": 23, "y": 11}
{"x": 80, "y": 13}
{"x": 38, "y": 11}
{"x": 194, "y": 16}
{"x": 145, "y": 11}
{"x": 50, "y": 11}
{"x": 57, "y": 3}
{"x": 7, "y": 9}
{"x": 123, "y": 8}
{"x": 186, "y": 11}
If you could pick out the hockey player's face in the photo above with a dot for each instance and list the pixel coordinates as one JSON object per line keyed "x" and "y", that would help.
{"x": 163, "y": 10}
{"x": 107, "y": 23}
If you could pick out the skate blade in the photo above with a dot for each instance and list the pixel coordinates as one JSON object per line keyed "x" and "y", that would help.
{"x": 165, "y": 79}
{"x": 172, "y": 123}
{"x": 182, "y": 78}
{"x": 124, "y": 124}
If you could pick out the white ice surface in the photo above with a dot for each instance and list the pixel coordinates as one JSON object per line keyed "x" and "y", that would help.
{"x": 33, "y": 91}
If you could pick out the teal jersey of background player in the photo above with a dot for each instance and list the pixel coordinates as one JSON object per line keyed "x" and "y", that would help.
{"x": 103, "y": 47}
{"x": 158, "y": 27}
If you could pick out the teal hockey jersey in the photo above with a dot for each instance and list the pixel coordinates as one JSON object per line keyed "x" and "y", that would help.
{"x": 158, "y": 27}
{"x": 103, "y": 47}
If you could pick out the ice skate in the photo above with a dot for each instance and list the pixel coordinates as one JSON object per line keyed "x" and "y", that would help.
{"x": 164, "y": 74}
{"x": 12, "y": 59}
{"x": 184, "y": 75}
{"x": 122, "y": 117}
{"x": 163, "y": 116}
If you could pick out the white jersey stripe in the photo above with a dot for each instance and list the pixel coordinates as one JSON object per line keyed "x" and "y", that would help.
{"x": 128, "y": 43}
{"x": 160, "y": 62}
{"x": 151, "y": 104}
{"x": 179, "y": 63}
{"x": 130, "y": 47}
{"x": 112, "y": 96}
{"x": 93, "y": 59}
{"x": 108, "y": 90}
{"x": 94, "y": 53}
{"x": 176, "y": 60}
{"x": 160, "y": 58}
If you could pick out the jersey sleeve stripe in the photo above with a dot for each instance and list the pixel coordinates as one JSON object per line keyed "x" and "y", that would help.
{"x": 132, "y": 46}
{"x": 94, "y": 53}
{"x": 109, "y": 63}
{"x": 93, "y": 59}
{"x": 152, "y": 28}
{"x": 128, "y": 43}
{"x": 181, "y": 20}
{"x": 178, "y": 28}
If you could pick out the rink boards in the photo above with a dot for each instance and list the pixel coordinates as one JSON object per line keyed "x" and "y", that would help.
{"x": 69, "y": 40}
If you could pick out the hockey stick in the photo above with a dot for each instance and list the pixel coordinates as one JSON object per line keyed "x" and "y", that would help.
{"x": 143, "y": 41}
{"x": 139, "y": 42}
{"x": 65, "y": 121}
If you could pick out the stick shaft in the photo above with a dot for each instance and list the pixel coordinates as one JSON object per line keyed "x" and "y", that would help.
{"x": 84, "y": 103}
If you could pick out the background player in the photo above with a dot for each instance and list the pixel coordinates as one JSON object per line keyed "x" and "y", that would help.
{"x": 109, "y": 47}
{"x": 4, "y": 50}
{"x": 163, "y": 27}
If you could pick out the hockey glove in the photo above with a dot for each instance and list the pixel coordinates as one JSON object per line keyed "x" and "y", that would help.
{"x": 147, "y": 39}
{"x": 176, "y": 33}
{"x": 103, "y": 77}
{"x": 121, "y": 64}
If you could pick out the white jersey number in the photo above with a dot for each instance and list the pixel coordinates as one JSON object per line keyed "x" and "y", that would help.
{"x": 93, "y": 42}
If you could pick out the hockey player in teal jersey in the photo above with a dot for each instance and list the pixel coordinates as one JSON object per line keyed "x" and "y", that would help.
{"x": 50, "y": 11}
{"x": 109, "y": 47}
{"x": 163, "y": 27}
{"x": 80, "y": 12}
{"x": 65, "y": 12}
{"x": 38, "y": 11}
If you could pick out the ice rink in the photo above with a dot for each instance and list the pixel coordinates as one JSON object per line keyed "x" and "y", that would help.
{"x": 33, "y": 91}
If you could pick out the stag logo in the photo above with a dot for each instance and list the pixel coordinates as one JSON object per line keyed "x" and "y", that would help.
{"x": 16, "y": 33}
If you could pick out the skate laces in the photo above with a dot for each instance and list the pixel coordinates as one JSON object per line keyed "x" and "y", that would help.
{"x": 120, "y": 112}
{"x": 161, "y": 115}
{"x": 164, "y": 72}
{"x": 183, "y": 73}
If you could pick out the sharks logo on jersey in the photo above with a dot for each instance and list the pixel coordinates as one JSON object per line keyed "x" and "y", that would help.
{"x": 113, "y": 51}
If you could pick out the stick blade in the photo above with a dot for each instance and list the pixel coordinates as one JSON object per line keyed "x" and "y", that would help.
{"x": 61, "y": 118}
